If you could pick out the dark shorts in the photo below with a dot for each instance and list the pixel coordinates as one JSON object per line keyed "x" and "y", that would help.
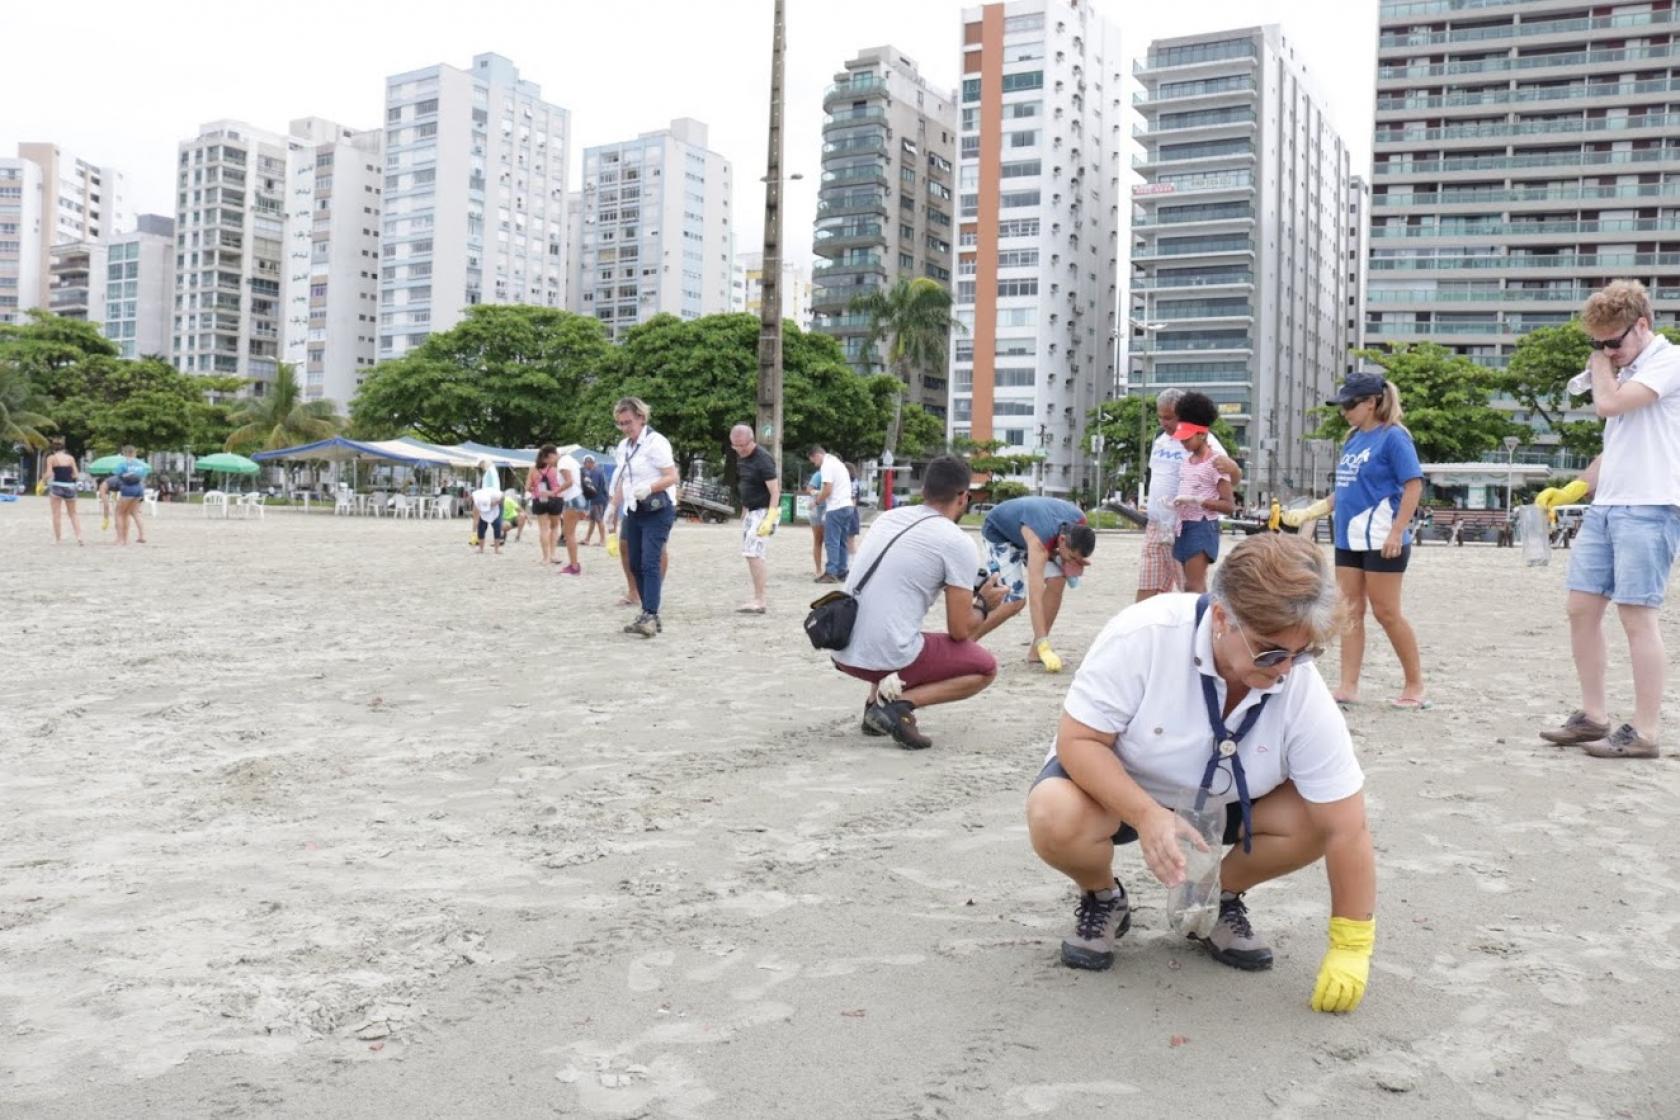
{"x": 63, "y": 490}
{"x": 547, "y": 507}
{"x": 1196, "y": 537}
{"x": 1373, "y": 561}
{"x": 597, "y": 508}
{"x": 943, "y": 658}
{"x": 484, "y": 528}
{"x": 1127, "y": 834}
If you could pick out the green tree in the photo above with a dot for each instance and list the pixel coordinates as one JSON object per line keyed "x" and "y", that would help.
{"x": 1444, "y": 397}
{"x": 1538, "y": 377}
{"x": 1123, "y": 422}
{"x": 280, "y": 417}
{"x": 21, "y": 417}
{"x": 58, "y": 357}
{"x": 914, "y": 318}
{"x": 146, "y": 402}
{"x": 508, "y": 375}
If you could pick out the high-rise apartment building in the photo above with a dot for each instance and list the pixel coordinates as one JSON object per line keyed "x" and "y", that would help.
{"x": 333, "y": 257}
{"x": 475, "y": 197}
{"x": 1039, "y": 221}
{"x": 77, "y": 269}
{"x": 1241, "y": 274}
{"x": 747, "y": 288}
{"x": 230, "y": 246}
{"x": 80, "y": 201}
{"x": 140, "y": 287}
{"x": 23, "y": 243}
{"x": 1358, "y": 253}
{"x": 885, "y": 209}
{"x": 1524, "y": 155}
{"x": 657, "y": 230}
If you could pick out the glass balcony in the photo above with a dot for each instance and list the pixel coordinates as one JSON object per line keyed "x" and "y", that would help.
{"x": 1193, "y": 280}
{"x": 1528, "y": 128}
{"x": 837, "y": 238}
{"x": 852, "y": 116}
{"x": 1590, "y": 24}
{"x": 1168, "y": 186}
{"x": 1196, "y": 55}
{"x": 864, "y": 146}
{"x": 847, "y": 176}
{"x": 1410, "y": 9}
{"x": 1572, "y": 60}
{"x": 1581, "y": 159}
{"x": 1521, "y": 229}
{"x": 1517, "y": 262}
{"x": 1175, "y": 344}
{"x": 1185, "y": 122}
{"x": 1575, "y": 91}
{"x": 858, "y": 86}
{"x": 1199, "y": 247}
{"x": 1184, "y": 91}
{"x": 1536, "y": 194}
{"x": 1434, "y": 330}
{"x": 866, "y": 202}
{"x": 1196, "y": 215}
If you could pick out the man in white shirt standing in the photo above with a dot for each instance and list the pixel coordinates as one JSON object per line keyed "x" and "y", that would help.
{"x": 840, "y": 523}
{"x": 1158, "y": 572}
{"x": 644, "y": 488}
{"x": 1630, "y": 534}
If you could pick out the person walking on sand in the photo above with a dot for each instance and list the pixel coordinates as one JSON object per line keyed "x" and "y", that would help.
{"x": 644, "y": 486}
{"x": 1038, "y": 547}
{"x": 1203, "y": 492}
{"x": 915, "y": 555}
{"x": 129, "y": 480}
{"x": 1624, "y": 549}
{"x": 61, "y": 491}
{"x": 573, "y": 507}
{"x": 542, "y": 483}
{"x": 1213, "y": 700}
{"x": 595, "y": 491}
{"x": 835, "y": 497}
{"x": 1378, "y": 483}
{"x": 758, "y": 479}
{"x": 1158, "y": 572}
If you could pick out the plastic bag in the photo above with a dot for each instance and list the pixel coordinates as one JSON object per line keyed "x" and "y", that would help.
{"x": 1193, "y": 905}
{"x": 1535, "y": 528}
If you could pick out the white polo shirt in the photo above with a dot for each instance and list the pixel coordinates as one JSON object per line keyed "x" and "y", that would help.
{"x": 639, "y": 464}
{"x": 1641, "y": 465}
{"x": 1142, "y": 681}
{"x": 840, "y": 481}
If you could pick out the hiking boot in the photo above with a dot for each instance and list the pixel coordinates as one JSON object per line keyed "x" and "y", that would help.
{"x": 826, "y": 577}
{"x": 646, "y": 625}
{"x": 870, "y": 728}
{"x": 1624, "y": 742}
{"x": 1098, "y": 922}
{"x": 896, "y": 718}
{"x": 1233, "y": 941}
{"x": 1577, "y": 729}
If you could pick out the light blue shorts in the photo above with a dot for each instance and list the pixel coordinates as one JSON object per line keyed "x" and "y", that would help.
{"x": 1624, "y": 553}
{"x": 1009, "y": 564}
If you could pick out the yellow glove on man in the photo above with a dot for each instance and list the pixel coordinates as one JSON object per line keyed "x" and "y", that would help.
{"x": 1561, "y": 496}
{"x": 1346, "y": 967}
{"x": 768, "y": 524}
{"x": 1294, "y": 518}
{"x": 1046, "y": 655}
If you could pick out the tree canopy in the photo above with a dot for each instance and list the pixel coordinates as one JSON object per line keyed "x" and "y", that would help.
{"x": 280, "y": 417}
{"x": 1444, "y": 397}
{"x": 1122, "y": 423}
{"x": 1541, "y": 366}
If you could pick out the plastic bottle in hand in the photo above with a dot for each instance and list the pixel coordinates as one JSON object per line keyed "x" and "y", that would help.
{"x": 1535, "y": 527}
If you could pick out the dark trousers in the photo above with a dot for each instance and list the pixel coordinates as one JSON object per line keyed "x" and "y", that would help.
{"x": 645, "y": 535}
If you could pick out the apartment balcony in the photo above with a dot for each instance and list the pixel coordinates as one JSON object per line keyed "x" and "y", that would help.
{"x": 1542, "y": 164}
{"x": 837, "y": 239}
{"x": 1413, "y": 9}
{"x": 1214, "y": 249}
{"x": 844, "y": 323}
{"x": 1584, "y": 95}
{"x": 856, "y": 116}
{"x": 1532, "y": 33}
{"x": 1178, "y": 164}
{"x": 1485, "y": 333}
{"x": 857, "y": 88}
{"x": 1177, "y": 62}
{"x": 1647, "y": 126}
{"x": 1204, "y": 282}
{"x": 1493, "y": 299}
{"x": 1216, "y": 125}
{"x": 1526, "y": 266}
{"x": 1238, "y": 89}
{"x": 1215, "y": 223}
{"x": 1166, "y": 345}
{"x": 837, "y": 299}
{"x": 856, "y": 148}
{"x": 864, "y": 264}
{"x": 1478, "y": 201}
{"x": 1617, "y": 228}
{"x": 1572, "y": 64}
{"x": 1203, "y": 320}
{"x": 1211, "y": 187}
{"x": 837, "y": 206}
{"x": 873, "y": 175}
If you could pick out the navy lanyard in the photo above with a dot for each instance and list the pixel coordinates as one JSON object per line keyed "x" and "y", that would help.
{"x": 1225, "y": 743}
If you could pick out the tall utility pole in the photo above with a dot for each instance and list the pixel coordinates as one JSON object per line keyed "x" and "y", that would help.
{"x": 770, "y": 311}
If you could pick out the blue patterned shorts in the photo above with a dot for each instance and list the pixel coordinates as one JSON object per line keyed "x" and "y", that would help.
{"x": 1010, "y": 565}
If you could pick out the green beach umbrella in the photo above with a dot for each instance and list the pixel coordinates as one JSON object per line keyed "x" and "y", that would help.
{"x": 225, "y": 462}
{"x": 111, "y": 462}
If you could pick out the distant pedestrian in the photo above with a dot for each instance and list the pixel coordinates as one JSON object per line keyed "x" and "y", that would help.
{"x": 758, "y": 478}
{"x": 595, "y": 492}
{"x": 573, "y": 508}
{"x": 61, "y": 491}
{"x": 1157, "y": 570}
{"x": 543, "y": 485}
{"x": 129, "y": 481}
{"x": 815, "y": 516}
{"x": 839, "y": 524}
{"x": 1203, "y": 493}
{"x": 487, "y": 503}
{"x": 644, "y": 484}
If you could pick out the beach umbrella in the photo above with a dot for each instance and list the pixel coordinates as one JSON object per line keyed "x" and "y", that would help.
{"x": 111, "y": 462}
{"x": 225, "y": 462}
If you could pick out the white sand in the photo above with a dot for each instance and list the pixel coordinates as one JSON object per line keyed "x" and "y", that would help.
{"x": 331, "y": 818}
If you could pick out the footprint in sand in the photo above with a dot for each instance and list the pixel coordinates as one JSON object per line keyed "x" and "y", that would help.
{"x": 1619, "y": 1051}
{"x": 1044, "y": 1099}
{"x": 644, "y": 975}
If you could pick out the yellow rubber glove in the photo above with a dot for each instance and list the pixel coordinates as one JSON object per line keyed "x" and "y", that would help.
{"x": 1552, "y": 497}
{"x": 1047, "y": 656}
{"x": 767, "y": 526}
{"x": 612, "y": 546}
{"x": 1294, "y": 518}
{"x": 1346, "y": 967}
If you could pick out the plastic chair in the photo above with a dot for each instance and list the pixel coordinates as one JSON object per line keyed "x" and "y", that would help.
{"x": 345, "y": 502}
{"x": 252, "y": 503}
{"x": 401, "y": 506}
{"x": 215, "y": 501}
{"x": 151, "y": 501}
{"x": 377, "y": 505}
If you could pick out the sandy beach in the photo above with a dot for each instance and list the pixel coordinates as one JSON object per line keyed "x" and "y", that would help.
{"x": 328, "y": 817}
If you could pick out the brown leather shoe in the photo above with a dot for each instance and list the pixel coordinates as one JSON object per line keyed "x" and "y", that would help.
{"x": 1624, "y": 742}
{"x": 1577, "y": 729}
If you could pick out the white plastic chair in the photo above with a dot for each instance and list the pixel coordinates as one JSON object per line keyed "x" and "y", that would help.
{"x": 401, "y": 507}
{"x": 377, "y": 506}
{"x": 345, "y": 503}
{"x": 252, "y": 503}
{"x": 151, "y": 500}
{"x": 215, "y": 501}
{"x": 444, "y": 508}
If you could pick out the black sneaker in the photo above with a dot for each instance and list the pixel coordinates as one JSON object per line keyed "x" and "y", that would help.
{"x": 1233, "y": 940}
{"x": 870, "y": 728}
{"x": 1097, "y": 924}
{"x": 897, "y": 718}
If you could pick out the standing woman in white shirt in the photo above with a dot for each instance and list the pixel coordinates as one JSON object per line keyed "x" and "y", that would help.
{"x": 644, "y": 487}
{"x": 1214, "y": 696}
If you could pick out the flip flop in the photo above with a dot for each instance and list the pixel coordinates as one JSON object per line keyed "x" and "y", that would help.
{"x": 749, "y": 610}
{"x": 1407, "y": 704}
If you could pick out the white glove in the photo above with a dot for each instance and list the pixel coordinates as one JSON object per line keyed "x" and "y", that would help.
{"x": 642, "y": 491}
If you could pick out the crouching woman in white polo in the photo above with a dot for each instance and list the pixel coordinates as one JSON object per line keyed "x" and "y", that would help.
{"x": 1214, "y": 693}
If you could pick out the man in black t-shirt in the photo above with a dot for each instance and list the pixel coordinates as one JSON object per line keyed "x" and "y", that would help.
{"x": 759, "y": 478}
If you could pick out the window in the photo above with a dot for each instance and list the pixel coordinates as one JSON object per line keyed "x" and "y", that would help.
{"x": 1032, "y": 79}
{"x": 1022, "y": 168}
{"x": 1018, "y": 258}
{"x": 1013, "y": 199}
{"x": 1022, "y": 110}
{"x": 1023, "y": 138}
{"x": 970, "y": 147}
{"x": 938, "y": 190}
{"x": 1018, "y": 227}
{"x": 971, "y": 89}
{"x": 1015, "y": 377}
{"x": 1032, "y": 21}
{"x": 1012, "y": 408}
{"x": 1027, "y": 286}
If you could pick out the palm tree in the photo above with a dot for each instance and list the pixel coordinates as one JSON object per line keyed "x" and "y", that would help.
{"x": 281, "y": 417}
{"x": 914, "y": 317}
{"x": 19, "y": 422}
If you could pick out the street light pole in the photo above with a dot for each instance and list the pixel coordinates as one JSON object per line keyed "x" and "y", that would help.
{"x": 1143, "y": 413}
{"x": 770, "y": 280}
{"x": 1511, "y": 443}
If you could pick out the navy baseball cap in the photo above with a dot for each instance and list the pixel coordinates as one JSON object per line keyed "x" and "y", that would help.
{"x": 1357, "y": 387}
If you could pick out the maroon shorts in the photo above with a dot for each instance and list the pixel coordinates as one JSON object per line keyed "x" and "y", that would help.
{"x": 942, "y": 658}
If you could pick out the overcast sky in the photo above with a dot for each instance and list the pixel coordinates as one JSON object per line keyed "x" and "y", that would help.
{"x": 122, "y": 84}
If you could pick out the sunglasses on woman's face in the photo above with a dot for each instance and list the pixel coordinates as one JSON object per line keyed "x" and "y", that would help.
{"x": 1612, "y": 343}
{"x": 1349, "y": 406}
{"x": 1273, "y": 657}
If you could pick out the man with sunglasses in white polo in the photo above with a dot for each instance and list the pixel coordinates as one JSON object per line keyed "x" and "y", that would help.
{"x": 1630, "y": 534}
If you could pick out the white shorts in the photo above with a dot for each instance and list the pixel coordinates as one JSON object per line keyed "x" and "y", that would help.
{"x": 754, "y": 546}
